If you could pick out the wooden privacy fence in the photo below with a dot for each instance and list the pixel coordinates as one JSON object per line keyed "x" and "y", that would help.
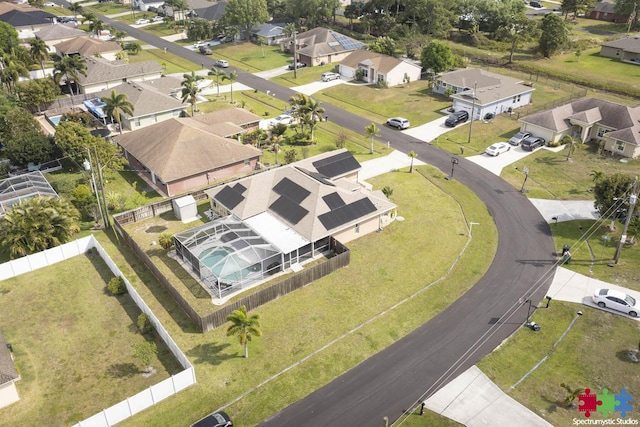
{"x": 217, "y": 318}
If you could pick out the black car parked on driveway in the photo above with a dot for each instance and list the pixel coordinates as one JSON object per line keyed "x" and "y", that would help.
{"x": 531, "y": 143}
{"x": 456, "y": 118}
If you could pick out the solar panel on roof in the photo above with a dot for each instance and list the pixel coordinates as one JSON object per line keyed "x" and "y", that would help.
{"x": 288, "y": 209}
{"x": 239, "y": 188}
{"x": 346, "y": 213}
{"x": 229, "y": 197}
{"x": 337, "y": 165}
{"x": 291, "y": 190}
{"x": 347, "y": 42}
{"x": 333, "y": 200}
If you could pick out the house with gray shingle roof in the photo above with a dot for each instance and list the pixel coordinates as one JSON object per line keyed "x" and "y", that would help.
{"x": 58, "y": 33}
{"x": 89, "y": 46}
{"x": 482, "y": 91}
{"x": 272, "y": 33}
{"x": 150, "y": 104}
{"x": 376, "y": 67}
{"x": 321, "y": 46}
{"x": 8, "y": 376}
{"x": 25, "y": 19}
{"x": 615, "y": 126}
{"x": 103, "y": 74}
{"x": 626, "y": 49}
{"x": 182, "y": 154}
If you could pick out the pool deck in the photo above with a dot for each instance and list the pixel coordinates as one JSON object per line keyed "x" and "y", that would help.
{"x": 47, "y": 128}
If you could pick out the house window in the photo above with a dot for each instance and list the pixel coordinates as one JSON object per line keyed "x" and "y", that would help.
{"x": 136, "y": 123}
{"x": 381, "y": 77}
{"x": 357, "y": 228}
{"x": 602, "y": 132}
{"x": 618, "y": 52}
{"x": 365, "y": 72}
{"x": 247, "y": 162}
{"x": 619, "y": 145}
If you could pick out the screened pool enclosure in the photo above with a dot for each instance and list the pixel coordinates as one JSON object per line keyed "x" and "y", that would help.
{"x": 227, "y": 255}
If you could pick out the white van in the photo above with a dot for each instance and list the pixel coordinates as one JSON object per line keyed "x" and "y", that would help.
{"x": 222, "y": 63}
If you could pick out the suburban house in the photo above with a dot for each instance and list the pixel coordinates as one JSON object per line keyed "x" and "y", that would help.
{"x": 103, "y": 74}
{"x": 24, "y": 18}
{"x": 206, "y": 9}
{"x": 321, "y": 46}
{"x": 482, "y": 91}
{"x": 144, "y": 5}
{"x": 271, "y": 32}
{"x": 54, "y": 34}
{"x": 376, "y": 67}
{"x": 8, "y": 376}
{"x": 230, "y": 122}
{"x": 150, "y": 104}
{"x": 606, "y": 11}
{"x": 89, "y": 46}
{"x": 277, "y": 219}
{"x": 182, "y": 154}
{"x": 626, "y": 49}
{"x": 616, "y": 126}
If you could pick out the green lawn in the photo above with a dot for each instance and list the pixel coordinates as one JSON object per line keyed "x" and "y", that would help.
{"x": 170, "y": 63}
{"x": 249, "y": 57}
{"x": 384, "y": 269}
{"x": 592, "y": 355}
{"x": 108, "y": 8}
{"x": 304, "y": 75}
{"x": 72, "y": 344}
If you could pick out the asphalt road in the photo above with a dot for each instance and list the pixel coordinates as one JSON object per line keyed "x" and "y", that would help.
{"x": 416, "y": 366}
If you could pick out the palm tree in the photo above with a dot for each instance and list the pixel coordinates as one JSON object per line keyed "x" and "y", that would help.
{"x": 76, "y": 8}
{"x": 33, "y": 225}
{"x": 232, "y": 76}
{"x": 11, "y": 69}
{"x": 88, "y": 17}
{"x": 190, "y": 89}
{"x": 217, "y": 73}
{"x": 39, "y": 52}
{"x": 571, "y": 142}
{"x": 596, "y": 175}
{"x": 244, "y": 327}
{"x": 315, "y": 112}
{"x": 372, "y": 130}
{"x": 96, "y": 26}
{"x": 69, "y": 68}
{"x": 413, "y": 155}
{"x": 261, "y": 41}
{"x": 117, "y": 102}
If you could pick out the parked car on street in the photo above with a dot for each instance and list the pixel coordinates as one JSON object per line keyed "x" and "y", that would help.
{"x": 616, "y": 300}
{"x": 205, "y": 50}
{"x": 532, "y": 142}
{"x": 497, "y": 149}
{"x": 327, "y": 77}
{"x": 456, "y": 118}
{"x": 535, "y": 4}
{"x": 222, "y": 63}
{"x": 518, "y": 138}
{"x": 142, "y": 21}
{"x": 398, "y": 123}
{"x": 297, "y": 65}
{"x": 217, "y": 419}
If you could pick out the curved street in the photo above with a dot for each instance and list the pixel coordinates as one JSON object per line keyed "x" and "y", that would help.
{"x": 413, "y": 368}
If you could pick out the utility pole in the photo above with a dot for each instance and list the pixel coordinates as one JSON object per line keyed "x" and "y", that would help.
{"x": 473, "y": 107}
{"x": 107, "y": 223}
{"x": 295, "y": 56}
{"x": 632, "y": 204}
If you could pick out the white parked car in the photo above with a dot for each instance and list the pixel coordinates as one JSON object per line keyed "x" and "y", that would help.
{"x": 50, "y": 4}
{"x": 158, "y": 18}
{"x": 222, "y": 63}
{"x": 497, "y": 149}
{"x": 142, "y": 21}
{"x": 282, "y": 119}
{"x": 398, "y": 123}
{"x": 616, "y": 300}
{"x": 327, "y": 77}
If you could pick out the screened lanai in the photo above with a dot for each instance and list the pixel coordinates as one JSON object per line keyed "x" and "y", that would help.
{"x": 21, "y": 187}
{"x": 227, "y": 255}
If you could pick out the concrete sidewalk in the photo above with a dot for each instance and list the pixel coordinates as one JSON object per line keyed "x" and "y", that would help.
{"x": 394, "y": 161}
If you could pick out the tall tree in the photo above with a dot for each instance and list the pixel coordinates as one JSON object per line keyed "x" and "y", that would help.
{"x": 39, "y": 52}
{"x": 518, "y": 30}
{"x": 217, "y": 73}
{"x": 23, "y": 138}
{"x": 117, "y": 103}
{"x": 412, "y": 154}
{"x": 11, "y": 69}
{"x": 190, "y": 89}
{"x": 76, "y": 8}
{"x": 36, "y": 224}
{"x": 630, "y": 8}
{"x": 244, "y": 327}
{"x": 554, "y": 35}
{"x": 69, "y": 68}
{"x": 385, "y": 45}
{"x": 372, "y": 130}
{"x": 608, "y": 191}
{"x": 33, "y": 93}
{"x": 96, "y": 26}
{"x": 351, "y": 12}
{"x": 246, "y": 14}
{"x": 232, "y": 77}
{"x": 8, "y": 37}
{"x": 437, "y": 56}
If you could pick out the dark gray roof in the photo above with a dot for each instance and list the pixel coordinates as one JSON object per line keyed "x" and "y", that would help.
{"x": 8, "y": 371}
{"x": 268, "y": 30}
{"x": 605, "y": 6}
{"x": 211, "y": 11}
{"x": 628, "y": 44}
{"x": 58, "y": 32}
{"x": 18, "y": 18}
{"x": 100, "y": 70}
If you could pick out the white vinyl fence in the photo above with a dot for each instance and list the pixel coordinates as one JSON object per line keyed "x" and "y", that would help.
{"x": 146, "y": 398}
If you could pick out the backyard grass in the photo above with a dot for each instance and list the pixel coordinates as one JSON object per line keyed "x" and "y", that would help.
{"x": 107, "y": 8}
{"x": 249, "y": 57}
{"x": 625, "y": 274}
{"x": 592, "y": 355}
{"x": 384, "y": 269}
{"x": 304, "y": 75}
{"x": 72, "y": 344}
{"x": 170, "y": 63}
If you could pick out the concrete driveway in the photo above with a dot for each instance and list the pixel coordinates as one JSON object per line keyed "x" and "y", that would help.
{"x": 311, "y": 88}
{"x": 429, "y": 131}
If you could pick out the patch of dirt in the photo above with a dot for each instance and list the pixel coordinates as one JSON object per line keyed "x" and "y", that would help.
{"x": 155, "y": 229}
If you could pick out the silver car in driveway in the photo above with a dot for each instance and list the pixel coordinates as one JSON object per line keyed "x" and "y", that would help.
{"x": 518, "y": 138}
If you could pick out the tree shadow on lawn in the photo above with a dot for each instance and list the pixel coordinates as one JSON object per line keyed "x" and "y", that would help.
{"x": 122, "y": 370}
{"x": 554, "y": 404}
{"x": 211, "y": 353}
{"x": 550, "y": 159}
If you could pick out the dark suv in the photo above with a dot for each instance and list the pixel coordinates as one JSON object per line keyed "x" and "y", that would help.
{"x": 530, "y": 143}
{"x": 456, "y": 118}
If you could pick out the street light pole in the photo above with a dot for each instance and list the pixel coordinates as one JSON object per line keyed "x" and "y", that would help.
{"x": 632, "y": 204}
{"x": 473, "y": 107}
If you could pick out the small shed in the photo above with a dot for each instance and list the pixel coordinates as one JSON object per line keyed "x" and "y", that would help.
{"x": 185, "y": 208}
